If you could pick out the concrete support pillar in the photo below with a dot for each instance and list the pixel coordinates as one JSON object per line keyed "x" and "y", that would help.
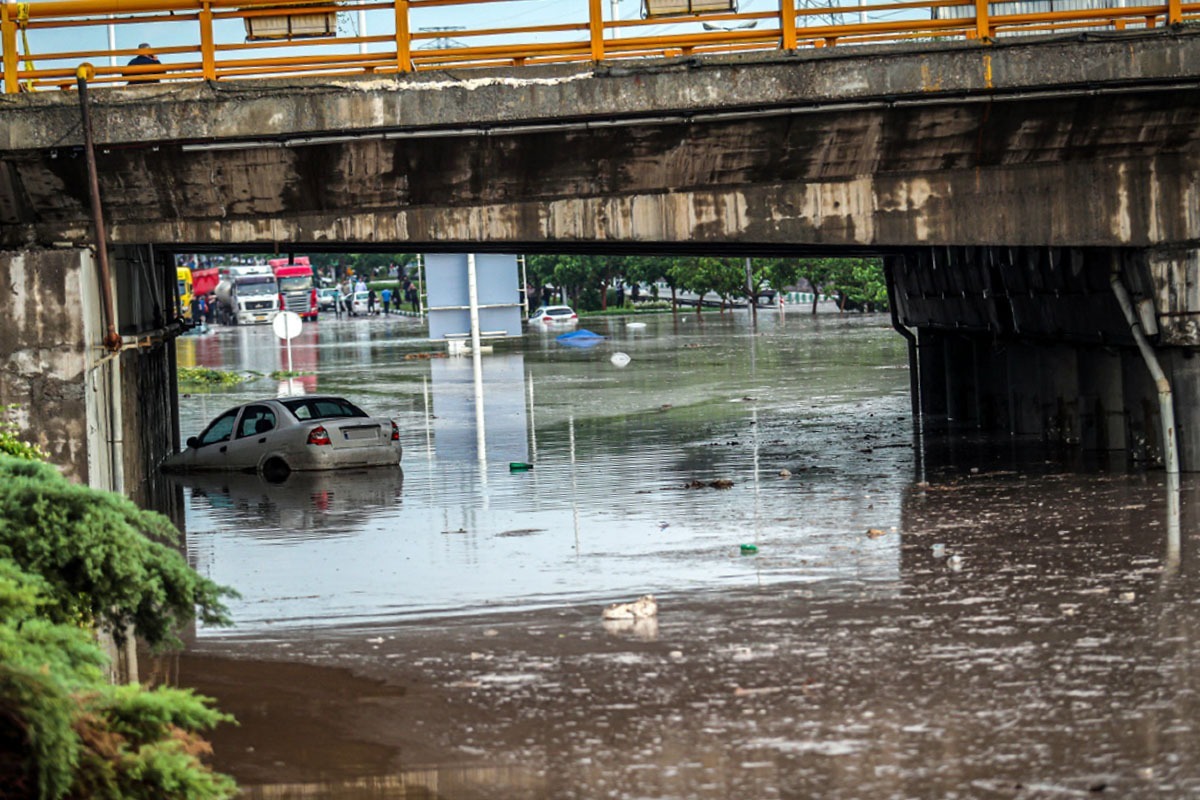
{"x": 1060, "y": 394}
{"x": 961, "y": 379}
{"x": 1173, "y": 278}
{"x": 931, "y": 360}
{"x": 1024, "y": 390}
{"x": 1101, "y": 400}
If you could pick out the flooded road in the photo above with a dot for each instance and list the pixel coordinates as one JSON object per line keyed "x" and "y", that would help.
{"x": 1001, "y": 621}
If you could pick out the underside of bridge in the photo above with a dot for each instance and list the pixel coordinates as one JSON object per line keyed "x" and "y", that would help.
{"x": 1015, "y": 190}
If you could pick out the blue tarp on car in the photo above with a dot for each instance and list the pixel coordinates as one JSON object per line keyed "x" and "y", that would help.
{"x": 580, "y": 338}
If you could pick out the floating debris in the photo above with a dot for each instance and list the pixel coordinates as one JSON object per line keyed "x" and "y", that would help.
{"x": 422, "y": 356}
{"x": 644, "y": 606}
{"x": 875, "y": 533}
{"x": 748, "y": 549}
{"x": 719, "y": 483}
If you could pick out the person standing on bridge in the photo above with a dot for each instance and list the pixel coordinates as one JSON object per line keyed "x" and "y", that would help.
{"x": 145, "y": 57}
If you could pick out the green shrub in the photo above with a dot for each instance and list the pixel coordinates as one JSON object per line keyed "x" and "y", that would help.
{"x": 72, "y": 558}
{"x": 64, "y": 732}
{"x": 206, "y": 378}
{"x": 10, "y": 444}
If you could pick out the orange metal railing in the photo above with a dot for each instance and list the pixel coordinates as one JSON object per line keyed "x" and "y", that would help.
{"x": 42, "y": 43}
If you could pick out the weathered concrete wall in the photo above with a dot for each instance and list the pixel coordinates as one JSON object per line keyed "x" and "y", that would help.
{"x": 1026, "y": 143}
{"x": 44, "y": 358}
{"x": 106, "y": 420}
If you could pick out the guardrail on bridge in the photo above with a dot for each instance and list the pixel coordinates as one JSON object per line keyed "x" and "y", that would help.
{"x": 44, "y": 42}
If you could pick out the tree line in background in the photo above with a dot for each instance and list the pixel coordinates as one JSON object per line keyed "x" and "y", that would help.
{"x": 855, "y": 284}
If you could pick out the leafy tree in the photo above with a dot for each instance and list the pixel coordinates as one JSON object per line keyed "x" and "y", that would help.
{"x": 65, "y": 732}
{"x": 103, "y": 558}
{"x": 72, "y": 558}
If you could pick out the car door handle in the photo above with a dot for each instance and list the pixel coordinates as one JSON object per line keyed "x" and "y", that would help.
{"x": 223, "y": 447}
{"x": 262, "y": 440}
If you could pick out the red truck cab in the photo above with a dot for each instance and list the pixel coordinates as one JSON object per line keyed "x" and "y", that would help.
{"x": 297, "y": 290}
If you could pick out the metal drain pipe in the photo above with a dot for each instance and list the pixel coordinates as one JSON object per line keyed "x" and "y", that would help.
{"x": 1166, "y": 404}
{"x": 112, "y": 340}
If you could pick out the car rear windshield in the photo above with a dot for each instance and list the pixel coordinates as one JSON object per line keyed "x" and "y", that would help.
{"x": 559, "y": 312}
{"x": 306, "y": 408}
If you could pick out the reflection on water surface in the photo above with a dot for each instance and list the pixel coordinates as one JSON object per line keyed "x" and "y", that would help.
{"x": 1015, "y": 627}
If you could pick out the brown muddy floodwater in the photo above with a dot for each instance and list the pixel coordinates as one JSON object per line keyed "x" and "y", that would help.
{"x": 1020, "y": 623}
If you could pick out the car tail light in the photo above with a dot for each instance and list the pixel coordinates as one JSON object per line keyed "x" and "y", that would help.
{"x": 395, "y": 432}
{"x": 574, "y": 316}
{"x": 282, "y": 304}
{"x": 312, "y": 301}
{"x": 319, "y": 435}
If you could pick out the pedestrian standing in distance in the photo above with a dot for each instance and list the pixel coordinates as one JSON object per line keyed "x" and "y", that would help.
{"x": 412, "y": 297}
{"x": 620, "y": 295}
{"x": 370, "y": 302}
{"x": 348, "y": 298}
{"x": 386, "y": 297}
{"x": 145, "y": 57}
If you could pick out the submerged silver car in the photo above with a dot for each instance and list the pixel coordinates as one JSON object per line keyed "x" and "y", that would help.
{"x": 285, "y": 434}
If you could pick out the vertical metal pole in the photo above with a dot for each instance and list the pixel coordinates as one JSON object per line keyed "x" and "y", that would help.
{"x": 112, "y": 340}
{"x": 1166, "y": 403}
{"x": 8, "y": 43}
{"x": 525, "y": 287}
{"x": 420, "y": 285}
{"x": 981, "y": 20}
{"x": 596, "y": 29}
{"x": 1174, "y": 12}
{"x": 787, "y": 23}
{"x": 208, "y": 50}
{"x": 362, "y": 30}
{"x": 112, "y": 42}
{"x": 476, "y": 359}
{"x": 616, "y": 15}
{"x": 750, "y": 293}
{"x": 403, "y": 37}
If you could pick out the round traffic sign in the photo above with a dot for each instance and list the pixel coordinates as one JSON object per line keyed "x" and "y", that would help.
{"x": 287, "y": 324}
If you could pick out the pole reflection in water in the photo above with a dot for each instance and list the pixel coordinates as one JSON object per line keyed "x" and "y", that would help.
{"x": 833, "y": 664}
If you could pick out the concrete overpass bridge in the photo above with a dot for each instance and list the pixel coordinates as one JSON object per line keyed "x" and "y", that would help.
{"x": 1016, "y": 188}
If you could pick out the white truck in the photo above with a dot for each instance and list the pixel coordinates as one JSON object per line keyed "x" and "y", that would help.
{"x": 247, "y": 295}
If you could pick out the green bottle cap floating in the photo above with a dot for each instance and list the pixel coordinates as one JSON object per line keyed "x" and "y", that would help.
{"x": 749, "y": 548}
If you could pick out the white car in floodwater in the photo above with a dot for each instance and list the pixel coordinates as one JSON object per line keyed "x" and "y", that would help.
{"x": 546, "y": 317}
{"x": 281, "y": 435}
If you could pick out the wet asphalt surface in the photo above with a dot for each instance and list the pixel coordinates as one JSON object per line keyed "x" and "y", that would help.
{"x": 977, "y": 619}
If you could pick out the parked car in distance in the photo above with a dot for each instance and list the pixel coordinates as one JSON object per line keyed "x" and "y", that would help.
{"x": 360, "y": 303}
{"x": 553, "y": 316}
{"x": 280, "y": 435}
{"x": 327, "y": 298}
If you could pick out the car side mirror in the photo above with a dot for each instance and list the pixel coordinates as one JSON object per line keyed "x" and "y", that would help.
{"x": 193, "y": 442}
